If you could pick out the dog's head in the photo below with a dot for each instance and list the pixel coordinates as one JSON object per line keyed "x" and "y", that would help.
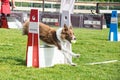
{"x": 68, "y": 34}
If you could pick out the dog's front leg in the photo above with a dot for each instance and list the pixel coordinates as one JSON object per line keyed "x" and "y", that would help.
{"x": 70, "y": 52}
{"x": 68, "y": 60}
{"x": 65, "y": 52}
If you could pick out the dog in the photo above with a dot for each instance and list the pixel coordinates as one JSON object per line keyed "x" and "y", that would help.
{"x": 55, "y": 37}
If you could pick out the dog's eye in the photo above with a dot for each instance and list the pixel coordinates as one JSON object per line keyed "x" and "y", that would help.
{"x": 70, "y": 33}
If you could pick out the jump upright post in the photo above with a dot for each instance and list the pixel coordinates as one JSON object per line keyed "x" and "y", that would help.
{"x": 113, "y": 34}
{"x": 66, "y": 9}
{"x": 32, "y": 54}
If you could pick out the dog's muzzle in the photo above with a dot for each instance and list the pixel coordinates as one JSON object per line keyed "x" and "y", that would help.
{"x": 73, "y": 40}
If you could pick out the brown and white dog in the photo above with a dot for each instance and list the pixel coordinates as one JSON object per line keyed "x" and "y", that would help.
{"x": 53, "y": 37}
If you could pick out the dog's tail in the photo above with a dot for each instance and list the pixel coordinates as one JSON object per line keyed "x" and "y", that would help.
{"x": 25, "y": 27}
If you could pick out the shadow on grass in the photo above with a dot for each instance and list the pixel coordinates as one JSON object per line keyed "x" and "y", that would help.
{"x": 13, "y": 61}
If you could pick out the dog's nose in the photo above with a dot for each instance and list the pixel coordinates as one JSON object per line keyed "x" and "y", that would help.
{"x": 74, "y": 38}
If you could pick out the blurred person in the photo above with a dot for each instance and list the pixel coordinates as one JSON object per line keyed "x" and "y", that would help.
{"x": 5, "y": 11}
{"x": 5, "y": 6}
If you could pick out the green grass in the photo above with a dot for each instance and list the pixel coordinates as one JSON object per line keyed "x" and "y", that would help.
{"x": 93, "y": 45}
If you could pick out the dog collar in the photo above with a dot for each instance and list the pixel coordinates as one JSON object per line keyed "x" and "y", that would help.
{"x": 55, "y": 37}
{"x": 58, "y": 34}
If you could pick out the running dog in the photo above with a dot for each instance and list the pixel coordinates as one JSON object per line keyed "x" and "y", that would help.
{"x": 53, "y": 37}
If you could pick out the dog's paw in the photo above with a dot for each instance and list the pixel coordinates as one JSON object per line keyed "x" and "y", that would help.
{"x": 77, "y": 55}
{"x": 73, "y": 64}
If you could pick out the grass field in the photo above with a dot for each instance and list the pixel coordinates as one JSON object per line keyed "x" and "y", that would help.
{"x": 93, "y": 45}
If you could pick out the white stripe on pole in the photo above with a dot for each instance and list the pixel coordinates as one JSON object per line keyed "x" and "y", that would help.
{"x": 111, "y": 38}
{"x": 118, "y": 36}
{"x": 29, "y": 56}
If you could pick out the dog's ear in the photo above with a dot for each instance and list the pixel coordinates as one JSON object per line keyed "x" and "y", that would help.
{"x": 65, "y": 27}
{"x": 71, "y": 27}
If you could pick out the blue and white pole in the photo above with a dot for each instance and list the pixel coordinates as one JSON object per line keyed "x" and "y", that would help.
{"x": 113, "y": 34}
